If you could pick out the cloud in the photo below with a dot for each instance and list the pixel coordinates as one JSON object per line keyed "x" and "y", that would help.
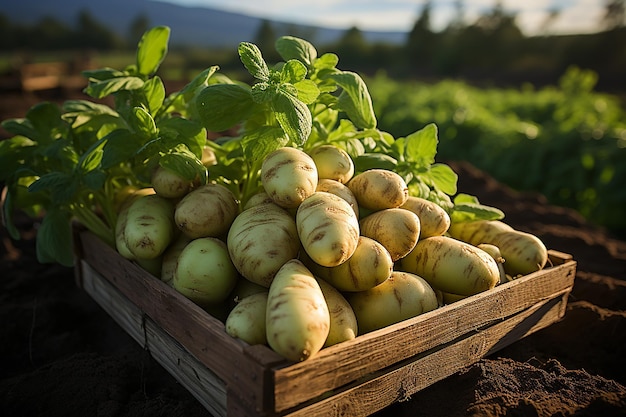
{"x": 400, "y": 15}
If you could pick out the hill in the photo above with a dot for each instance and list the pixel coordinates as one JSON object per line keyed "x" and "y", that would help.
{"x": 197, "y": 26}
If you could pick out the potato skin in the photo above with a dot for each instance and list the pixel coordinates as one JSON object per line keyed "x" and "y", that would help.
{"x": 340, "y": 190}
{"x": 207, "y": 211}
{"x": 332, "y": 163}
{"x": 246, "y": 321}
{"x": 402, "y": 296}
{"x": 452, "y": 266}
{"x": 477, "y": 232}
{"x": 523, "y": 252}
{"x": 289, "y": 176}
{"x": 434, "y": 220}
{"x": 122, "y": 220}
{"x": 328, "y": 228}
{"x": 168, "y": 184}
{"x": 398, "y": 230}
{"x": 297, "y": 316}
{"x": 343, "y": 324}
{"x": 204, "y": 272}
{"x": 369, "y": 265}
{"x": 378, "y": 189}
{"x": 149, "y": 227}
{"x": 260, "y": 240}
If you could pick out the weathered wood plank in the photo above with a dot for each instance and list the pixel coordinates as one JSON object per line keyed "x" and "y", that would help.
{"x": 201, "y": 334}
{"x": 341, "y": 364}
{"x": 203, "y": 384}
{"x": 398, "y": 383}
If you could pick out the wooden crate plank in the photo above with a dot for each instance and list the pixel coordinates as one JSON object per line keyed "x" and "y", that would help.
{"x": 201, "y": 334}
{"x": 397, "y": 384}
{"x": 370, "y": 352}
{"x": 203, "y": 384}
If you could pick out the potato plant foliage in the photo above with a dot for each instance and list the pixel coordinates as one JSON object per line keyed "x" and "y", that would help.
{"x": 69, "y": 162}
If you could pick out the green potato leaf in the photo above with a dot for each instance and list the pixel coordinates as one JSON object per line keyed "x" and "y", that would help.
{"x": 152, "y": 49}
{"x": 252, "y": 59}
{"x": 290, "y": 47}
{"x": 293, "y": 115}
{"x": 222, "y": 106}
{"x": 101, "y": 89}
{"x": 355, "y": 99}
{"x": 54, "y": 238}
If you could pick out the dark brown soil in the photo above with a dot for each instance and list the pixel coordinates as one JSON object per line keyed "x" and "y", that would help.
{"x": 61, "y": 355}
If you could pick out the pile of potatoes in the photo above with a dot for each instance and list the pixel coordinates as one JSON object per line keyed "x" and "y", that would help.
{"x": 320, "y": 255}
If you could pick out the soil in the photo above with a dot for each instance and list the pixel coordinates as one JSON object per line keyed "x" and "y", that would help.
{"x": 61, "y": 355}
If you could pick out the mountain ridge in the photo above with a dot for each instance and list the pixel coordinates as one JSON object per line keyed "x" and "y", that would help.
{"x": 190, "y": 25}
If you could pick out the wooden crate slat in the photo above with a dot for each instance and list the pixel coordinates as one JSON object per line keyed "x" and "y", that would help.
{"x": 203, "y": 384}
{"x": 344, "y": 363}
{"x": 397, "y": 384}
{"x": 368, "y": 373}
{"x": 201, "y": 334}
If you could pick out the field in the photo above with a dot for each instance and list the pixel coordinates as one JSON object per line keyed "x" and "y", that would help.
{"x": 567, "y": 142}
{"x": 63, "y": 356}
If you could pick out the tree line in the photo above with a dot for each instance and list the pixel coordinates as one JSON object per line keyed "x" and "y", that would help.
{"x": 490, "y": 49}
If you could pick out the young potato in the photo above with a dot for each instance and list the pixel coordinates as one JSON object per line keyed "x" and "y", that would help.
{"x": 343, "y": 324}
{"x": 168, "y": 184}
{"x": 398, "y": 230}
{"x": 256, "y": 199}
{"x": 402, "y": 296}
{"x": 523, "y": 252}
{"x": 378, "y": 189}
{"x": 170, "y": 258}
{"x": 297, "y": 317}
{"x": 122, "y": 220}
{"x": 434, "y": 220}
{"x": 494, "y": 251}
{"x": 204, "y": 272}
{"x": 340, "y": 190}
{"x": 369, "y": 265}
{"x": 207, "y": 211}
{"x": 328, "y": 228}
{"x": 260, "y": 240}
{"x": 289, "y": 176}
{"x": 477, "y": 232}
{"x": 149, "y": 227}
{"x": 332, "y": 163}
{"x": 246, "y": 321}
{"x": 451, "y": 265}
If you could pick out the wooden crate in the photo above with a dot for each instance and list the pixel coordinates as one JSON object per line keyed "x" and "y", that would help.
{"x": 356, "y": 378}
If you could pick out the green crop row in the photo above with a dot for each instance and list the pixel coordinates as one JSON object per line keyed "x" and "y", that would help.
{"x": 567, "y": 142}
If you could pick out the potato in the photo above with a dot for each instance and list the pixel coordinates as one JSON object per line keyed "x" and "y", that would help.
{"x": 449, "y": 298}
{"x": 258, "y": 198}
{"x": 402, "y": 296}
{"x": 332, "y": 163}
{"x": 477, "y": 232}
{"x": 122, "y": 218}
{"x": 260, "y": 240}
{"x": 523, "y": 252}
{"x": 246, "y": 321}
{"x": 340, "y": 190}
{"x": 297, "y": 317}
{"x": 207, "y": 211}
{"x": 288, "y": 176}
{"x": 451, "y": 265}
{"x": 494, "y": 251}
{"x": 398, "y": 230}
{"x": 369, "y": 265}
{"x": 434, "y": 220}
{"x": 170, "y": 258}
{"x": 152, "y": 265}
{"x": 245, "y": 288}
{"x": 378, "y": 189}
{"x": 149, "y": 226}
{"x": 328, "y": 228}
{"x": 204, "y": 272}
{"x": 343, "y": 324}
{"x": 169, "y": 184}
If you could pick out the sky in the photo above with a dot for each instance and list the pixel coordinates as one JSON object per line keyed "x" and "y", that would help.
{"x": 575, "y": 16}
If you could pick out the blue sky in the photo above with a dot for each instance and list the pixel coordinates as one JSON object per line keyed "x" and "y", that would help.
{"x": 575, "y": 16}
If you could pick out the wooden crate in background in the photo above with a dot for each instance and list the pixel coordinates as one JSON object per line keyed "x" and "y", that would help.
{"x": 356, "y": 378}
